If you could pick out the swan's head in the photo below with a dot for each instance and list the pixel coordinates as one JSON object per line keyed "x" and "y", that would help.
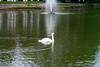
{"x": 52, "y": 33}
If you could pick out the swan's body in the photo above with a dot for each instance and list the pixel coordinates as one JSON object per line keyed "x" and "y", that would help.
{"x": 47, "y": 41}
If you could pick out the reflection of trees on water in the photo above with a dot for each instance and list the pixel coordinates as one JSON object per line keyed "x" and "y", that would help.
{"x": 11, "y": 22}
{"x": 1, "y": 21}
{"x": 17, "y": 22}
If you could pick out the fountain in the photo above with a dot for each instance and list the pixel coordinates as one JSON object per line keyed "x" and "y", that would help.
{"x": 50, "y": 5}
{"x": 50, "y": 18}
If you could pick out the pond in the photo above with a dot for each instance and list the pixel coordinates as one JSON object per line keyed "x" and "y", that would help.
{"x": 77, "y": 38}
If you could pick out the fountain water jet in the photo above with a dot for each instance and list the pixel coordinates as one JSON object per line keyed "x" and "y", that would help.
{"x": 50, "y": 17}
{"x": 50, "y": 5}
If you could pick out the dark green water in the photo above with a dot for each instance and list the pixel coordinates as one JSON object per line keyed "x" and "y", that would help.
{"x": 77, "y": 39}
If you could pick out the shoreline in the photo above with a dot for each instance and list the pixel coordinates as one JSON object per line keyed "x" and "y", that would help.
{"x": 39, "y": 6}
{"x": 21, "y": 6}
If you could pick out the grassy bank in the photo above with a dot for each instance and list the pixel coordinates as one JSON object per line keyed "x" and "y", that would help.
{"x": 39, "y": 5}
{"x": 20, "y": 2}
{"x": 21, "y": 5}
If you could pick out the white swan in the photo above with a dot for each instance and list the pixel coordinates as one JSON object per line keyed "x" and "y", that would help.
{"x": 47, "y": 41}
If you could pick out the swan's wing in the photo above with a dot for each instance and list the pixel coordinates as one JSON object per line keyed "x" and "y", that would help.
{"x": 46, "y": 39}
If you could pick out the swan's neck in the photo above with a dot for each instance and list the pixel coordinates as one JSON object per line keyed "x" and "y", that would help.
{"x": 52, "y": 47}
{"x": 52, "y": 35}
